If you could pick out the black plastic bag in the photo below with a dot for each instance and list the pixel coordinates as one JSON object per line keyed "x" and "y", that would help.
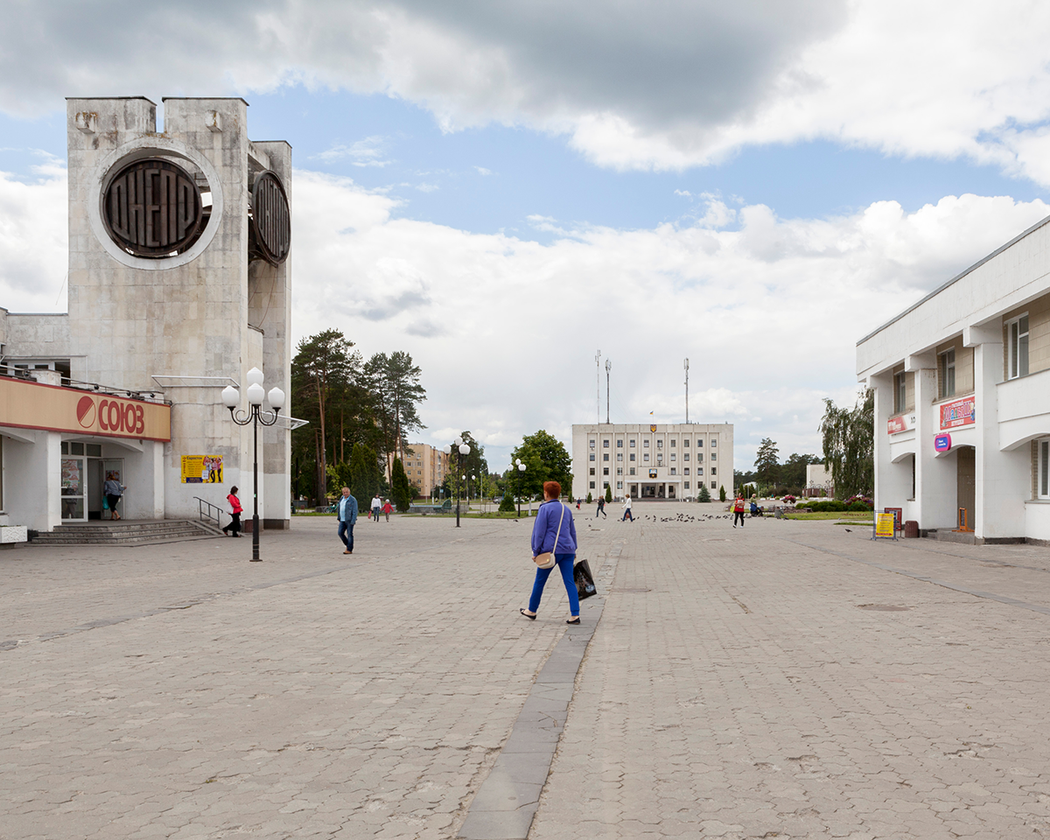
{"x": 581, "y": 573}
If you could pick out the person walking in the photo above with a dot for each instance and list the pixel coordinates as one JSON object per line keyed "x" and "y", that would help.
{"x": 738, "y": 510}
{"x": 113, "y": 490}
{"x": 554, "y": 531}
{"x": 601, "y": 508}
{"x": 377, "y": 503}
{"x": 346, "y": 513}
{"x": 235, "y": 514}
{"x": 388, "y": 509}
{"x": 627, "y": 509}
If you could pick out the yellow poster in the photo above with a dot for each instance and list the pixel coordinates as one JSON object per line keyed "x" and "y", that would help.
{"x": 202, "y": 469}
{"x": 884, "y": 523}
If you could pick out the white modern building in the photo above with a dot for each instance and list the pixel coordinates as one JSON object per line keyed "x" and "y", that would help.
{"x": 654, "y": 461}
{"x": 179, "y": 283}
{"x": 962, "y": 400}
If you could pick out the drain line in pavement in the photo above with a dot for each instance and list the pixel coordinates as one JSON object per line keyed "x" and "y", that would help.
{"x": 507, "y": 801}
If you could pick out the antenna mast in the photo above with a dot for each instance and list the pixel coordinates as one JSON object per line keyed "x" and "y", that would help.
{"x": 687, "y": 391}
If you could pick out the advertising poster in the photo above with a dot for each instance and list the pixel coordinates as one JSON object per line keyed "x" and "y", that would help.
{"x": 884, "y": 524}
{"x": 958, "y": 413}
{"x": 202, "y": 469}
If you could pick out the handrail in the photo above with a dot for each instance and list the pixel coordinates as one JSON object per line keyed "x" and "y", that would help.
{"x": 200, "y": 511}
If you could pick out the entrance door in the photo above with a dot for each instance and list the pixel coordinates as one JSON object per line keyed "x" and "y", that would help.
{"x": 114, "y": 468}
{"x": 74, "y": 485}
{"x": 966, "y": 491}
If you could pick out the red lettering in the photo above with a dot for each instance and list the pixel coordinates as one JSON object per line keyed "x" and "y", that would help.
{"x": 113, "y": 416}
{"x": 140, "y": 420}
{"x": 127, "y": 421}
{"x": 102, "y": 406}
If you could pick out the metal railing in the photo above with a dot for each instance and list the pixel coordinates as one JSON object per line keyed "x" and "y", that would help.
{"x": 208, "y": 516}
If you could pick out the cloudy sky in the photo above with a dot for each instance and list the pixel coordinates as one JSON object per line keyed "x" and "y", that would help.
{"x": 509, "y": 188}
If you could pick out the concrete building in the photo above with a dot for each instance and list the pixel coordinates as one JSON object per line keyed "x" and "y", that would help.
{"x": 962, "y": 400}
{"x": 655, "y": 461}
{"x": 425, "y": 466}
{"x": 819, "y": 481}
{"x": 179, "y": 283}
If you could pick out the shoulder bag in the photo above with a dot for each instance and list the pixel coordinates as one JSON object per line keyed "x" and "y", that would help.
{"x": 546, "y": 560}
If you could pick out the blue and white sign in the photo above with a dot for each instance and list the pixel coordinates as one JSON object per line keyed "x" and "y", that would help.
{"x": 942, "y": 443}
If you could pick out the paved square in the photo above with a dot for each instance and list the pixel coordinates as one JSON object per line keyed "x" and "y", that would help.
{"x": 786, "y": 680}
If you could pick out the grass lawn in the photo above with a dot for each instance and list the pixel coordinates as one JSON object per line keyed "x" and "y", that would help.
{"x": 849, "y": 517}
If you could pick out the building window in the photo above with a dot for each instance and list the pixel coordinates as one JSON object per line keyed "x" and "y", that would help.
{"x": 592, "y": 485}
{"x": 632, "y": 471}
{"x": 619, "y": 456}
{"x": 619, "y": 444}
{"x": 592, "y": 456}
{"x": 674, "y": 471}
{"x": 645, "y": 457}
{"x": 673, "y": 444}
{"x": 605, "y": 444}
{"x": 685, "y": 442}
{"x": 632, "y": 444}
{"x": 685, "y": 457}
{"x": 714, "y": 485}
{"x": 685, "y": 471}
{"x": 619, "y": 485}
{"x": 1044, "y": 470}
{"x": 714, "y": 470}
{"x": 714, "y": 456}
{"x": 900, "y": 393}
{"x": 700, "y": 443}
{"x": 645, "y": 444}
{"x": 592, "y": 444}
{"x": 714, "y": 442}
{"x": 699, "y": 470}
{"x": 659, "y": 444}
{"x": 946, "y": 374}
{"x": 632, "y": 456}
{"x": 605, "y": 470}
{"x": 592, "y": 470}
{"x": 619, "y": 470}
{"x": 605, "y": 456}
{"x": 686, "y": 485}
{"x": 700, "y": 457}
{"x": 1017, "y": 348}
{"x": 672, "y": 456}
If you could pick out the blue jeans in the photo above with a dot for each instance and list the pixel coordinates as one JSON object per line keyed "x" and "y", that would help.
{"x": 565, "y": 562}
{"x": 346, "y": 534}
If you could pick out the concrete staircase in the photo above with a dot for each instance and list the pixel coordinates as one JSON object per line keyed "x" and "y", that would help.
{"x": 128, "y": 532}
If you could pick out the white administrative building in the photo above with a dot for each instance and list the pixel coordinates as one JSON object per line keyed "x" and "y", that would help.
{"x": 652, "y": 461}
{"x": 962, "y": 400}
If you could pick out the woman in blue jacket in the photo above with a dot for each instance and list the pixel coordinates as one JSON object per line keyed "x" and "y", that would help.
{"x": 544, "y": 533}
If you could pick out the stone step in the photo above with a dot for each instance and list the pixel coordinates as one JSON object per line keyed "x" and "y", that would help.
{"x": 128, "y": 533}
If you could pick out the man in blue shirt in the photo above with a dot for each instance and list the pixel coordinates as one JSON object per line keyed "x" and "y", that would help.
{"x": 347, "y": 515}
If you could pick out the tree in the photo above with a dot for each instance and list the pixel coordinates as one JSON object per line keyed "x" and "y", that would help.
{"x": 608, "y": 493}
{"x": 704, "y": 495}
{"x": 722, "y": 493}
{"x": 848, "y": 437}
{"x": 506, "y": 504}
{"x": 366, "y": 478}
{"x": 767, "y": 463}
{"x": 793, "y": 471}
{"x": 394, "y": 383}
{"x": 546, "y": 459}
{"x": 400, "y": 489}
{"x": 321, "y": 373}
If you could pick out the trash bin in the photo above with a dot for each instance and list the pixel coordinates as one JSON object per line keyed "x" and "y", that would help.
{"x": 911, "y": 528}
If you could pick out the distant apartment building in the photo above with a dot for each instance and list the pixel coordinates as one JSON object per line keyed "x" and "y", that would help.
{"x": 425, "y": 467}
{"x": 652, "y": 461}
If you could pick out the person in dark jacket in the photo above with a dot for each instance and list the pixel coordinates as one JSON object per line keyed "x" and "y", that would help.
{"x": 554, "y": 531}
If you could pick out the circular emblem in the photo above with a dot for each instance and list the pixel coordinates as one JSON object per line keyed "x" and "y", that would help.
{"x": 86, "y": 412}
{"x": 152, "y": 208}
{"x": 271, "y": 218}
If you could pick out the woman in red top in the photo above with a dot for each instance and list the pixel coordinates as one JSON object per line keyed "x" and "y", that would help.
{"x": 236, "y": 509}
{"x": 738, "y": 510}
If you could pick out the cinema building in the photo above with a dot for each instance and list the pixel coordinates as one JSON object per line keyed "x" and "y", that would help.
{"x": 178, "y": 284}
{"x": 962, "y": 400}
{"x": 657, "y": 461}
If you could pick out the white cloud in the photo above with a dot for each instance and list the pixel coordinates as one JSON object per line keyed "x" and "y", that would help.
{"x": 632, "y": 85}
{"x": 367, "y": 152}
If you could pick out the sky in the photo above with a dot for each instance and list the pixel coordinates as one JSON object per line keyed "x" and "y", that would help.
{"x": 506, "y": 190}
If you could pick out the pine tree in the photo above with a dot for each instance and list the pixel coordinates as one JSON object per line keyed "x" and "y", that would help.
{"x": 401, "y": 490}
{"x": 705, "y": 495}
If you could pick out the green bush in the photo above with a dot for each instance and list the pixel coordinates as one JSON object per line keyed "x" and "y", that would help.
{"x": 722, "y": 493}
{"x": 704, "y": 496}
{"x": 590, "y": 499}
{"x": 608, "y": 493}
{"x": 859, "y": 507}
{"x": 506, "y": 504}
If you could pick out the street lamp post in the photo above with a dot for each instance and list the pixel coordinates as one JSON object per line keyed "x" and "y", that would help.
{"x": 255, "y": 415}
{"x": 463, "y": 449}
{"x": 521, "y": 470}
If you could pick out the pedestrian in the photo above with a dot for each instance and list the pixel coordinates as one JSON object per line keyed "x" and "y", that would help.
{"x": 579, "y": 501}
{"x": 554, "y": 531}
{"x": 388, "y": 509}
{"x": 627, "y": 509}
{"x": 346, "y": 513}
{"x": 235, "y": 514}
{"x": 113, "y": 490}
{"x": 375, "y": 507}
{"x": 601, "y": 508}
{"x": 738, "y": 510}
